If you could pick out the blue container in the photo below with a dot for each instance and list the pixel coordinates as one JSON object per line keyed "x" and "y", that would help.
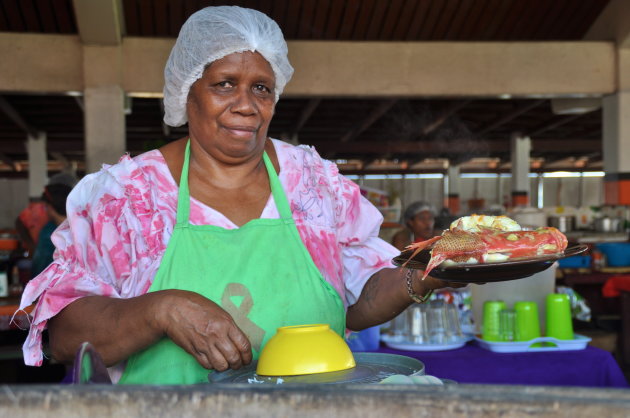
{"x": 366, "y": 340}
{"x": 617, "y": 253}
{"x": 575, "y": 262}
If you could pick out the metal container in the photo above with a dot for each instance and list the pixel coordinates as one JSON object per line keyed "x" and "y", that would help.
{"x": 529, "y": 218}
{"x": 607, "y": 224}
{"x": 564, "y": 223}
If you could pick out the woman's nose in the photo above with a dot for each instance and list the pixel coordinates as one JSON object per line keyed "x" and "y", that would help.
{"x": 244, "y": 102}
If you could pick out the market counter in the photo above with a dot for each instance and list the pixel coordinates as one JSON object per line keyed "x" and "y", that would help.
{"x": 311, "y": 401}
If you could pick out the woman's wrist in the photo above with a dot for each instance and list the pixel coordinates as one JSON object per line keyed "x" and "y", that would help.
{"x": 159, "y": 305}
{"x": 419, "y": 290}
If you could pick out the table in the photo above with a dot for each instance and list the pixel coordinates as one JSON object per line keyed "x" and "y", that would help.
{"x": 590, "y": 367}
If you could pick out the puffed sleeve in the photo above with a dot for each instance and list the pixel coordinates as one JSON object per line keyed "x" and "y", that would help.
{"x": 107, "y": 246}
{"x": 358, "y": 224}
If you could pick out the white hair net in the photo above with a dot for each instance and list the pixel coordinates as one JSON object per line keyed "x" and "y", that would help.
{"x": 415, "y": 208}
{"x": 211, "y": 34}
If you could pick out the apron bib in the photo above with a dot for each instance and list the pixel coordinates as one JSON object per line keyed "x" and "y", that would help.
{"x": 260, "y": 273}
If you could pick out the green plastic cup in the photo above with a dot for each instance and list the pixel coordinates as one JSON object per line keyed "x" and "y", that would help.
{"x": 559, "y": 323}
{"x": 491, "y": 330}
{"x": 527, "y": 322}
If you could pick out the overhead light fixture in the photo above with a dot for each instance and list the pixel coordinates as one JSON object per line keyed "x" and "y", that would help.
{"x": 146, "y": 94}
{"x": 575, "y": 106}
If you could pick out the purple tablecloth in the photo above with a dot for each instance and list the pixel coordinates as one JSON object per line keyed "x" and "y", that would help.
{"x": 472, "y": 364}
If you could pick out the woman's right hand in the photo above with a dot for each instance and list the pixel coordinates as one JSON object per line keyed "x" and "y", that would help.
{"x": 203, "y": 329}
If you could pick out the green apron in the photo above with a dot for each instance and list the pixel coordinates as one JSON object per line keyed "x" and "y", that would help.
{"x": 260, "y": 273}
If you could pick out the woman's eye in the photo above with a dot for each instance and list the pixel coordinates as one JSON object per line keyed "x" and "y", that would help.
{"x": 224, "y": 84}
{"x": 261, "y": 88}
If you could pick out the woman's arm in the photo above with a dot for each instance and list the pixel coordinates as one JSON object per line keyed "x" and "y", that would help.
{"x": 120, "y": 327}
{"x": 385, "y": 295}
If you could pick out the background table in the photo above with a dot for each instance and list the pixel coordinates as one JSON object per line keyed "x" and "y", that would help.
{"x": 591, "y": 367}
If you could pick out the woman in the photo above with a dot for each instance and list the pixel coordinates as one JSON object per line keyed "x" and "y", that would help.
{"x": 188, "y": 258}
{"x": 419, "y": 219}
{"x": 54, "y": 197}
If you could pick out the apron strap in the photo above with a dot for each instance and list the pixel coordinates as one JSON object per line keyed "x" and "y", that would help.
{"x": 282, "y": 204}
{"x": 183, "y": 196}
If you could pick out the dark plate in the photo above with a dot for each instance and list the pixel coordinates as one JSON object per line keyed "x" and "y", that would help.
{"x": 487, "y": 272}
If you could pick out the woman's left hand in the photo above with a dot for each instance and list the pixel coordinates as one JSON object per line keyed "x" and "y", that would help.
{"x": 436, "y": 284}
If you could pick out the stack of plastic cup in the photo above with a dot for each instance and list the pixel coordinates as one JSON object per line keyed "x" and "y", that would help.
{"x": 399, "y": 325}
{"x": 417, "y": 324}
{"x": 558, "y": 320}
{"x": 491, "y": 323}
{"x": 454, "y": 327}
{"x": 436, "y": 318}
{"x": 506, "y": 325}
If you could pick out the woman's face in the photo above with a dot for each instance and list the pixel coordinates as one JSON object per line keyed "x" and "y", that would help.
{"x": 230, "y": 107}
{"x": 422, "y": 225}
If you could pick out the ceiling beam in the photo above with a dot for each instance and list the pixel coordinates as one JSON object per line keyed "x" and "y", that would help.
{"x": 513, "y": 114}
{"x": 374, "y": 115}
{"x": 54, "y": 63}
{"x": 453, "y": 108}
{"x": 456, "y": 147}
{"x": 13, "y": 114}
{"x": 100, "y": 22}
{"x": 613, "y": 23}
{"x": 548, "y": 126}
{"x": 306, "y": 113}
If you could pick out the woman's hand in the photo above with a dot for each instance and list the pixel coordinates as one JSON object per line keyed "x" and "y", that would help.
{"x": 119, "y": 328}
{"x": 204, "y": 330}
{"x": 433, "y": 283}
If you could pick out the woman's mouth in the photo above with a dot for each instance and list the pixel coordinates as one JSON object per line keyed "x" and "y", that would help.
{"x": 241, "y": 131}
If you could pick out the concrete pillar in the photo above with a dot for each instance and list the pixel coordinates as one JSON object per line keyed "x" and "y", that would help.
{"x": 520, "y": 148}
{"x": 105, "y": 140}
{"x": 452, "y": 197}
{"x": 616, "y": 120}
{"x": 498, "y": 191}
{"x": 37, "y": 164}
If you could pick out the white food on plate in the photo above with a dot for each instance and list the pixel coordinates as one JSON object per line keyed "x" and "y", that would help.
{"x": 473, "y": 223}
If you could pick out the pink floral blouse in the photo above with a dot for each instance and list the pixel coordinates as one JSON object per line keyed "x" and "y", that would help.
{"x": 120, "y": 220}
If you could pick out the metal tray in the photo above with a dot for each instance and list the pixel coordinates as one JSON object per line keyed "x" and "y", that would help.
{"x": 370, "y": 368}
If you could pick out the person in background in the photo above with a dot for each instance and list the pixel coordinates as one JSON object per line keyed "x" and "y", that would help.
{"x": 419, "y": 220}
{"x": 54, "y": 198}
{"x": 34, "y": 217}
{"x": 28, "y": 225}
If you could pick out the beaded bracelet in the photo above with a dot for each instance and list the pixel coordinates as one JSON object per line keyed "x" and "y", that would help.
{"x": 413, "y": 295}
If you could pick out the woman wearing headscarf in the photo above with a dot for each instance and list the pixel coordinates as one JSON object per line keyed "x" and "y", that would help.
{"x": 419, "y": 221}
{"x": 188, "y": 258}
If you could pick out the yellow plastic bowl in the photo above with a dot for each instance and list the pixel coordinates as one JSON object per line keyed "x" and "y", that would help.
{"x": 304, "y": 349}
